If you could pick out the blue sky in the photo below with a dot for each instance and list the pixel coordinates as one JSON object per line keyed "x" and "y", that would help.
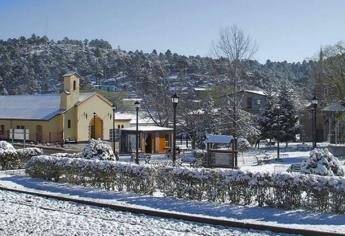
{"x": 284, "y": 30}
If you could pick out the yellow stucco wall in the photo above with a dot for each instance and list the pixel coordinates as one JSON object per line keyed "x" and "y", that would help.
{"x": 51, "y": 130}
{"x": 70, "y": 133}
{"x": 124, "y": 123}
{"x": 85, "y": 116}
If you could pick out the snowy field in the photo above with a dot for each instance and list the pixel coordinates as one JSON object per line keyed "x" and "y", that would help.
{"x": 22, "y": 214}
{"x": 301, "y": 219}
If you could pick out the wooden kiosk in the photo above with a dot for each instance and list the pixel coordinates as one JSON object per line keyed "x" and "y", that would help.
{"x": 152, "y": 139}
{"x": 221, "y": 151}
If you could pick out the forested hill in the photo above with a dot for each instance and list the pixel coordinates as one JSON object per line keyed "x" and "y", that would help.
{"x": 36, "y": 64}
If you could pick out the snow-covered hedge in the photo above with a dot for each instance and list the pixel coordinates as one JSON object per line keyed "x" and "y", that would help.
{"x": 284, "y": 190}
{"x": 11, "y": 158}
{"x": 110, "y": 175}
{"x": 322, "y": 162}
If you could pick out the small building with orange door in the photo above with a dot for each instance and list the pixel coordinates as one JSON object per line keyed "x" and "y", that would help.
{"x": 152, "y": 139}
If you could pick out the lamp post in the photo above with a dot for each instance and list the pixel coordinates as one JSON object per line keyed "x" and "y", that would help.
{"x": 278, "y": 129}
{"x": 113, "y": 139}
{"x": 137, "y": 106}
{"x": 94, "y": 125}
{"x": 174, "y": 99}
{"x": 314, "y": 104}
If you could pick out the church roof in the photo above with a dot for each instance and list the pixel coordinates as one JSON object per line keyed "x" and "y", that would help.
{"x": 33, "y": 107}
{"x": 71, "y": 73}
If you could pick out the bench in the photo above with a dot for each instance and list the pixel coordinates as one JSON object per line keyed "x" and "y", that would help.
{"x": 261, "y": 157}
{"x": 294, "y": 168}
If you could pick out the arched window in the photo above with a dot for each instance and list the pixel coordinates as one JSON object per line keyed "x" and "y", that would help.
{"x": 74, "y": 85}
{"x": 122, "y": 126}
{"x": 118, "y": 126}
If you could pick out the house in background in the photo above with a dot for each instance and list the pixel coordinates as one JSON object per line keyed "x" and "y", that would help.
{"x": 70, "y": 115}
{"x": 252, "y": 101}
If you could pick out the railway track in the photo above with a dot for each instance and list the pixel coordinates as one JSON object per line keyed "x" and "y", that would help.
{"x": 179, "y": 216}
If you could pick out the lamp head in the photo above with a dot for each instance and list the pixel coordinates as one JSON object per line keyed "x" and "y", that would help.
{"x": 314, "y": 101}
{"x": 137, "y": 104}
{"x": 174, "y": 98}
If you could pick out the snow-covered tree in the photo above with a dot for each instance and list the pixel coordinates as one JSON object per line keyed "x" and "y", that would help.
{"x": 279, "y": 120}
{"x": 322, "y": 162}
{"x": 286, "y": 116}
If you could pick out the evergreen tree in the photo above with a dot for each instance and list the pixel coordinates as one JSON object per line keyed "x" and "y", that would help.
{"x": 287, "y": 115}
{"x": 279, "y": 120}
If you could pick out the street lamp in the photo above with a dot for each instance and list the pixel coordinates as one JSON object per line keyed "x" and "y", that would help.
{"x": 314, "y": 104}
{"x": 113, "y": 139}
{"x": 174, "y": 99}
{"x": 137, "y": 106}
{"x": 94, "y": 125}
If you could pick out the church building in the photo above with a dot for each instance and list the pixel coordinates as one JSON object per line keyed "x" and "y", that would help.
{"x": 70, "y": 115}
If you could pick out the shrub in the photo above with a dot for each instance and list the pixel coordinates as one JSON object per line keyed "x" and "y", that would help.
{"x": 10, "y": 158}
{"x": 96, "y": 149}
{"x": 322, "y": 162}
{"x": 285, "y": 190}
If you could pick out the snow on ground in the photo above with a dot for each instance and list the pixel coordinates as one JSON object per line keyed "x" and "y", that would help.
{"x": 23, "y": 214}
{"x": 270, "y": 216}
{"x": 249, "y": 162}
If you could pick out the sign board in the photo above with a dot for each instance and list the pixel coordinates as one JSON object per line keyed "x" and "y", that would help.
{"x": 221, "y": 158}
{"x": 18, "y": 134}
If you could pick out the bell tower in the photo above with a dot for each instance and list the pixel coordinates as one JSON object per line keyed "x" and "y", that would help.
{"x": 70, "y": 94}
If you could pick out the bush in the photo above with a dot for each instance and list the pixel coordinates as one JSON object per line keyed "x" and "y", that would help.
{"x": 96, "y": 149}
{"x": 322, "y": 162}
{"x": 10, "y": 158}
{"x": 285, "y": 190}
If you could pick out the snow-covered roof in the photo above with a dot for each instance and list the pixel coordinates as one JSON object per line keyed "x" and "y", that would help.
{"x": 70, "y": 74}
{"x": 201, "y": 89}
{"x": 148, "y": 128}
{"x": 33, "y": 107}
{"x": 334, "y": 107}
{"x": 218, "y": 138}
{"x": 124, "y": 116}
{"x": 259, "y": 92}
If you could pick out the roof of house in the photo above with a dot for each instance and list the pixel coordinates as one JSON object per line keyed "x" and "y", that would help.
{"x": 218, "y": 138}
{"x": 124, "y": 116}
{"x": 148, "y": 128}
{"x": 33, "y": 107}
{"x": 334, "y": 107}
{"x": 258, "y": 92}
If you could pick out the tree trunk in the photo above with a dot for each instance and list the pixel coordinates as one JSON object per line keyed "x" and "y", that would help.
{"x": 278, "y": 150}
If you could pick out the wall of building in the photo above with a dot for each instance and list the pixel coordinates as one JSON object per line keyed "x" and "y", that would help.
{"x": 49, "y": 131}
{"x": 70, "y": 116}
{"x": 119, "y": 124}
{"x": 85, "y": 114}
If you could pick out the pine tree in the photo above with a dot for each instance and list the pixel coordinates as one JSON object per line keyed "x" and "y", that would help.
{"x": 287, "y": 115}
{"x": 279, "y": 120}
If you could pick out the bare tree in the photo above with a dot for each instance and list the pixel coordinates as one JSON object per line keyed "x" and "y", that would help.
{"x": 156, "y": 97}
{"x": 235, "y": 47}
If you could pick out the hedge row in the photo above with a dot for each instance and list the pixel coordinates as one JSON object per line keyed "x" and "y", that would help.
{"x": 284, "y": 190}
{"x": 16, "y": 158}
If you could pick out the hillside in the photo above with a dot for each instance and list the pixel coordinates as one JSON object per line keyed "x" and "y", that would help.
{"x": 36, "y": 64}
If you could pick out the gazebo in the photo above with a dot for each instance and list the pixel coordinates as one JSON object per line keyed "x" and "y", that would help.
{"x": 152, "y": 139}
{"x": 335, "y": 122}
